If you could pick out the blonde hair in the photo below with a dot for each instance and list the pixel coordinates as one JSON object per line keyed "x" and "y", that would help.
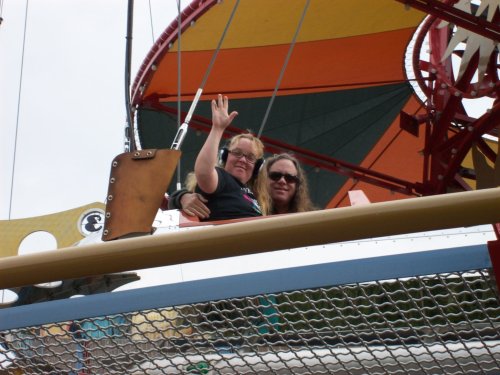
{"x": 256, "y": 141}
{"x": 191, "y": 181}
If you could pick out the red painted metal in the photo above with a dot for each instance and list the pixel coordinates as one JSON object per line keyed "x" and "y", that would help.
{"x": 196, "y": 9}
{"x": 494, "y": 251}
{"x": 447, "y": 12}
{"x": 469, "y": 136}
{"x": 307, "y": 157}
{"x": 486, "y": 150}
{"x": 450, "y": 133}
{"x": 443, "y": 151}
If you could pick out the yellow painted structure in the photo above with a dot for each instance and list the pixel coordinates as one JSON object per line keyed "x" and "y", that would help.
{"x": 67, "y": 227}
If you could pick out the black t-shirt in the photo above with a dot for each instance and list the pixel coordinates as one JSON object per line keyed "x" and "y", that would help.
{"x": 231, "y": 199}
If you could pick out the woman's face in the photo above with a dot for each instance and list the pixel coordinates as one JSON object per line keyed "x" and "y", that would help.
{"x": 281, "y": 191}
{"x": 238, "y": 165}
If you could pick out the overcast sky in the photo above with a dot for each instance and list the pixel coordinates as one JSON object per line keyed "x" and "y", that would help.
{"x": 71, "y": 105}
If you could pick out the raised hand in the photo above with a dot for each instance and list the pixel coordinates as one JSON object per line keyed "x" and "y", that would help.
{"x": 206, "y": 161}
{"x": 220, "y": 116}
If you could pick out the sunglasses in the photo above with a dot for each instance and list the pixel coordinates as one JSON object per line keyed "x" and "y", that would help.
{"x": 289, "y": 178}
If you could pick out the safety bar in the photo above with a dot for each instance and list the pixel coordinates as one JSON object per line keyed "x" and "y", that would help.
{"x": 256, "y": 236}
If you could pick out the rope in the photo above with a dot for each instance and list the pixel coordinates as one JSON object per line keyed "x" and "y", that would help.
{"x": 18, "y": 110}
{"x": 282, "y": 73}
{"x": 181, "y": 133}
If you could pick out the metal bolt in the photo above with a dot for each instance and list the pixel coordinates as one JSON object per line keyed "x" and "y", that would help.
{"x": 105, "y": 232}
{"x": 115, "y": 163}
{"x": 110, "y": 197}
{"x": 108, "y": 214}
{"x": 112, "y": 180}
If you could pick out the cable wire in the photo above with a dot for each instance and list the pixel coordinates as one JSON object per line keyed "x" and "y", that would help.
{"x": 179, "y": 32}
{"x": 283, "y": 69}
{"x": 18, "y": 111}
{"x": 151, "y": 22}
{"x": 181, "y": 133}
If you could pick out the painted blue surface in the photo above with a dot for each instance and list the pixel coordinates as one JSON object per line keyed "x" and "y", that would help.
{"x": 313, "y": 276}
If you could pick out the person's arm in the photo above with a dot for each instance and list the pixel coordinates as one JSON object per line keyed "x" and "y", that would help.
{"x": 192, "y": 204}
{"x": 204, "y": 168}
{"x": 174, "y": 200}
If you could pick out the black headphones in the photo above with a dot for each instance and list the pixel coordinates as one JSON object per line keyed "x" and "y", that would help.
{"x": 224, "y": 152}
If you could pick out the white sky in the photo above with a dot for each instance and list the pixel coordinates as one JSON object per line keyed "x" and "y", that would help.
{"x": 72, "y": 106}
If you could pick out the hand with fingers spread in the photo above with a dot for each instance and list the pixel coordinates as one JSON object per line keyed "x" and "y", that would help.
{"x": 204, "y": 167}
{"x": 221, "y": 119}
{"x": 193, "y": 204}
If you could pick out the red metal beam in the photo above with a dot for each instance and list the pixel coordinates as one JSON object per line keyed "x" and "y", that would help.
{"x": 494, "y": 251}
{"x": 456, "y": 16}
{"x": 308, "y": 157}
{"x": 195, "y": 10}
{"x": 469, "y": 135}
{"x": 444, "y": 154}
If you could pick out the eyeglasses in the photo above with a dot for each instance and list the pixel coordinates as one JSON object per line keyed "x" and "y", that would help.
{"x": 238, "y": 154}
{"x": 289, "y": 178}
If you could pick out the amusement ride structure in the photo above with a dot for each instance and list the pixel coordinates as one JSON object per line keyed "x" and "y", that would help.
{"x": 376, "y": 101}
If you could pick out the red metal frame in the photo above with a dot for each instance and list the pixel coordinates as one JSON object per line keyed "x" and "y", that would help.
{"x": 195, "y": 10}
{"x": 450, "y": 133}
{"x": 494, "y": 251}
{"x": 306, "y": 156}
{"x": 447, "y": 12}
{"x": 445, "y": 96}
